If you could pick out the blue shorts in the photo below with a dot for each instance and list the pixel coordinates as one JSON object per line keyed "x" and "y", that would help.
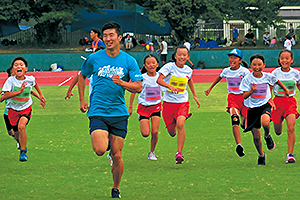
{"x": 113, "y": 125}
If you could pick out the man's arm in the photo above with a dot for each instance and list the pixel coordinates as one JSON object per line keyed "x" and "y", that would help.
{"x": 81, "y": 86}
{"x": 134, "y": 87}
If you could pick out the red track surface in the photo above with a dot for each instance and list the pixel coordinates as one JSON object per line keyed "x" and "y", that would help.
{"x": 56, "y": 78}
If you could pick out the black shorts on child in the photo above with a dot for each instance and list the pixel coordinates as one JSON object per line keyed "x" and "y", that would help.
{"x": 254, "y": 116}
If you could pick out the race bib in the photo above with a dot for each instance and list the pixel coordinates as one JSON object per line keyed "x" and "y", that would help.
{"x": 260, "y": 92}
{"x": 290, "y": 86}
{"x": 153, "y": 93}
{"x": 23, "y": 97}
{"x": 179, "y": 83}
{"x": 233, "y": 84}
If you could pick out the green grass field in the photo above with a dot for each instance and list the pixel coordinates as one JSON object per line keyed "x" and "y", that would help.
{"x": 62, "y": 165}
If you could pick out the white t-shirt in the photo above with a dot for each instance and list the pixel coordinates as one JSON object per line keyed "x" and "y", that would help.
{"x": 23, "y": 100}
{"x": 177, "y": 77}
{"x": 151, "y": 93}
{"x": 262, "y": 94}
{"x": 288, "y": 44}
{"x": 165, "y": 47}
{"x": 234, "y": 78}
{"x": 187, "y": 45}
{"x": 288, "y": 79}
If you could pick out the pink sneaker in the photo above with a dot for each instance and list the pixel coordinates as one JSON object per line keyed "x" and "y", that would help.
{"x": 290, "y": 158}
{"x": 179, "y": 158}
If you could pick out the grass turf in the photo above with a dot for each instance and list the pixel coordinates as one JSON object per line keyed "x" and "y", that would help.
{"x": 62, "y": 165}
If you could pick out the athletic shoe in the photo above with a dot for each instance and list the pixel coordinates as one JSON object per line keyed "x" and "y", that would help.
{"x": 151, "y": 156}
{"x": 23, "y": 157}
{"x": 290, "y": 158}
{"x": 179, "y": 158}
{"x": 115, "y": 193}
{"x": 18, "y": 146}
{"x": 240, "y": 150}
{"x": 270, "y": 142}
{"x": 110, "y": 160}
{"x": 262, "y": 160}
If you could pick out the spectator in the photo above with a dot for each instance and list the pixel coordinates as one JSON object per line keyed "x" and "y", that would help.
{"x": 291, "y": 33}
{"x": 267, "y": 38}
{"x": 288, "y": 43}
{"x": 97, "y": 43}
{"x": 163, "y": 50}
{"x": 128, "y": 42}
{"x": 235, "y": 35}
{"x": 249, "y": 38}
{"x": 273, "y": 42}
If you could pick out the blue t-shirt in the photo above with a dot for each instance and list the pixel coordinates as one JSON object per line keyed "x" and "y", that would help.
{"x": 107, "y": 98}
{"x": 235, "y": 33}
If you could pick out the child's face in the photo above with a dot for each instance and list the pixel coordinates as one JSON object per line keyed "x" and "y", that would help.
{"x": 19, "y": 68}
{"x": 181, "y": 56}
{"x": 285, "y": 60}
{"x": 151, "y": 64}
{"x": 257, "y": 65}
{"x": 234, "y": 61}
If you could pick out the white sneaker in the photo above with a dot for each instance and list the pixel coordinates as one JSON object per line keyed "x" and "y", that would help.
{"x": 110, "y": 160}
{"x": 151, "y": 156}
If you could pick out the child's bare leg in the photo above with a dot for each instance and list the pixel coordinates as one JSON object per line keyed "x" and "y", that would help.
{"x": 155, "y": 120}
{"x": 265, "y": 122}
{"x": 257, "y": 141}
{"x": 145, "y": 127}
{"x": 235, "y": 124}
{"x": 278, "y": 128}
{"x": 22, "y": 132}
{"x": 181, "y": 132}
{"x": 290, "y": 121}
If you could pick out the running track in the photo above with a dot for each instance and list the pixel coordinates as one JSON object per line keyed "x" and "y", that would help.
{"x": 65, "y": 78}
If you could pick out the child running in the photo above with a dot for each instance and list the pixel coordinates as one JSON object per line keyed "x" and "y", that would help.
{"x": 17, "y": 92}
{"x": 234, "y": 75}
{"x": 174, "y": 77}
{"x": 258, "y": 98}
{"x": 286, "y": 107}
{"x": 8, "y": 125}
{"x": 149, "y": 103}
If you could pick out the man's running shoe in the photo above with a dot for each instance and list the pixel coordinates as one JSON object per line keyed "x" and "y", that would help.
{"x": 179, "y": 158}
{"x": 240, "y": 150}
{"x": 18, "y": 146}
{"x": 151, "y": 155}
{"x": 262, "y": 160}
{"x": 270, "y": 142}
{"x": 23, "y": 157}
{"x": 115, "y": 193}
{"x": 290, "y": 158}
{"x": 110, "y": 160}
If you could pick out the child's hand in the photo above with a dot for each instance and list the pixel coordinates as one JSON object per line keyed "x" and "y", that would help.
{"x": 207, "y": 91}
{"x": 130, "y": 111}
{"x": 271, "y": 102}
{"x": 253, "y": 87}
{"x": 173, "y": 89}
{"x": 23, "y": 86}
{"x": 197, "y": 101}
{"x": 42, "y": 101}
{"x": 68, "y": 96}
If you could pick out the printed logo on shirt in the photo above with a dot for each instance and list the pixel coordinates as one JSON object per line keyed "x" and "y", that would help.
{"x": 108, "y": 71}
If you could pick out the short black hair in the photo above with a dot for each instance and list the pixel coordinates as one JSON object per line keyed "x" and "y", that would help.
{"x": 19, "y": 58}
{"x": 96, "y": 30}
{"x": 112, "y": 25}
{"x": 8, "y": 71}
{"x": 259, "y": 56}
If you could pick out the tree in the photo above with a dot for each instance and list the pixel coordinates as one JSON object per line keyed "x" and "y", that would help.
{"x": 51, "y": 15}
{"x": 183, "y": 14}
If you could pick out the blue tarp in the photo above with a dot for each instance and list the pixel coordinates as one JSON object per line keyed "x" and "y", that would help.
{"x": 129, "y": 20}
{"x": 10, "y": 27}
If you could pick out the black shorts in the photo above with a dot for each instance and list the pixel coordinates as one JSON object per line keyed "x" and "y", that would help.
{"x": 113, "y": 125}
{"x": 7, "y": 122}
{"x": 140, "y": 117}
{"x": 163, "y": 57}
{"x": 254, "y": 116}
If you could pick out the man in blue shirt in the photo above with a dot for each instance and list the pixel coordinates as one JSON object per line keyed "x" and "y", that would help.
{"x": 111, "y": 69}
{"x": 235, "y": 35}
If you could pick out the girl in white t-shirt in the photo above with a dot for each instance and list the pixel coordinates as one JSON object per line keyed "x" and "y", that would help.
{"x": 234, "y": 75}
{"x": 258, "y": 98}
{"x": 149, "y": 103}
{"x": 286, "y": 107}
{"x": 174, "y": 77}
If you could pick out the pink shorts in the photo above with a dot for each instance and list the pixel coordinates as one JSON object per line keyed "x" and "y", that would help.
{"x": 14, "y": 115}
{"x": 237, "y": 101}
{"x": 171, "y": 111}
{"x": 146, "y": 111}
{"x": 284, "y": 107}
